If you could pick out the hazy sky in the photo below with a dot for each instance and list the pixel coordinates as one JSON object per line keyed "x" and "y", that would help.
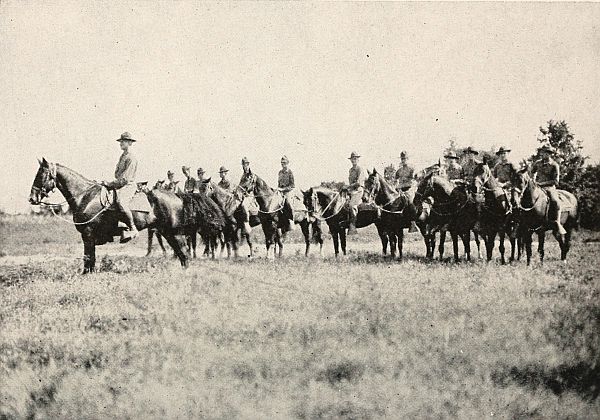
{"x": 204, "y": 84}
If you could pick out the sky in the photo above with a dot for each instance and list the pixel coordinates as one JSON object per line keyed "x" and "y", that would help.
{"x": 204, "y": 84}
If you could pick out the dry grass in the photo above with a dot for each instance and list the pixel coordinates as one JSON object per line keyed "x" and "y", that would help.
{"x": 362, "y": 337}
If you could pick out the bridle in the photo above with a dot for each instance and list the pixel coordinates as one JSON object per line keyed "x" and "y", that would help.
{"x": 372, "y": 194}
{"x": 47, "y": 183}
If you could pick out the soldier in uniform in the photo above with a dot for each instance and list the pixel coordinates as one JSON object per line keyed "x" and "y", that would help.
{"x": 246, "y": 172}
{"x": 470, "y": 164}
{"x": 224, "y": 182}
{"x": 190, "y": 183}
{"x": 546, "y": 172}
{"x": 124, "y": 184}
{"x": 405, "y": 174}
{"x": 454, "y": 172}
{"x": 200, "y": 173}
{"x": 170, "y": 184}
{"x": 356, "y": 178}
{"x": 285, "y": 184}
{"x": 404, "y": 177}
{"x": 503, "y": 171}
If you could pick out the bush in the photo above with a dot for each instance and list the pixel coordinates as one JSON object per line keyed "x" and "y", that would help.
{"x": 589, "y": 197}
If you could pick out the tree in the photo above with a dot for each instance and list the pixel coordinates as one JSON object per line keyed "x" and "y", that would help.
{"x": 589, "y": 197}
{"x": 568, "y": 153}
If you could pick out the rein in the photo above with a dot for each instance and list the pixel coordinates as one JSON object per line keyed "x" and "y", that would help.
{"x": 335, "y": 197}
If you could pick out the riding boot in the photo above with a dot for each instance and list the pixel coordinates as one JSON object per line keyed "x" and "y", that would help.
{"x": 352, "y": 221}
{"x": 559, "y": 227}
{"x": 128, "y": 235}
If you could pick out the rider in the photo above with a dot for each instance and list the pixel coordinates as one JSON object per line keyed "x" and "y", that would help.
{"x": 546, "y": 172}
{"x": 503, "y": 171}
{"x": 171, "y": 184}
{"x": 124, "y": 184}
{"x": 356, "y": 179}
{"x": 285, "y": 184}
{"x": 224, "y": 182}
{"x": 190, "y": 182}
{"x": 405, "y": 174}
{"x": 454, "y": 172}
{"x": 470, "y": 164}
{"x": 404, "y": 177}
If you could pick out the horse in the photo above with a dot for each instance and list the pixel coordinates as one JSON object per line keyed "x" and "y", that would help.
{"x": 236, "y": 215}
{"x": 274, "y": 211}
{"x": 497, "y": 215}
{"x": 533, "y": 203}
{"x": 95, "y": 218}
{"x": 452, "y": 210}
{"x": 332, "y": 206}
{"x": 396, "y": 208}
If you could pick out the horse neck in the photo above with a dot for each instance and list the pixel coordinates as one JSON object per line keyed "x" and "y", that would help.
{"x": 72, "y": 185}
{"x": 386, "y": 192}
{"x": 531, "y": 192}
{"x": 440, "y": 185}
{"x": 262, "y": 192}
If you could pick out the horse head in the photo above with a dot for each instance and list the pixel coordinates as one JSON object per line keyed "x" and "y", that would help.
{"x": 44, "y": 182}
{"x": 206, "y": 187}
{"x": 310, "y": 199}
{"x": 142, "y": 186}
{"x": 160, "y": 184}
{"x": 481, "y": 176}
{"x": 372, "y": 186}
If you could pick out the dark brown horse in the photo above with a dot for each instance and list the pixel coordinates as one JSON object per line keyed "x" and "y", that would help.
{"x": 497, "y": 214}
{"x": 234, "y": 207}
{"x": 452, "y": 209}
{"x": 274, "y": 212}
{"x": 94, "y": 217}
{"x": 397, "y": 210}
{"x": 534, "y": 205}
{"x": 331, "y": 206}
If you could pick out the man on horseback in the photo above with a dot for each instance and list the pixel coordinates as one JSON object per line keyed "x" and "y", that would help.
{"x": 224, "y": 182}
{"x": 454, "y": 172}
{"x": 470, "y": 164}
{"x": 356, "y": 178}
{"x": 285, "y": 184}
{"x": 405, "y": 174}
{"x": 124, "y": 184}
{"x": 200, "y": 173}
{"x": 503, "y": 171}
{"x": 190, "y": 183}
{"x": 171, "y": 184}
{"x": 546, "y": 172}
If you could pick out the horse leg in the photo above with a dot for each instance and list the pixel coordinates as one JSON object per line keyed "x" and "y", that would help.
{"x": 466, "y": 239}
{"x": 561, "y": 242}
{"x": 279, "y": 241}
{"x": 393, "y": 242}
{"x": 160, "y": 242}
{"x": 178, "y": 244}
{"x": 501, "y": 236}
{"x": 567, "y": 244}
{"x": 441, "y": 245}
{"x": 527, "y": 239}
{"x": 89, "y": 254}
{"x": 384, "y": 242}
{"x": 541, "y": 240}
{"x": 400, "y": 243}
{"x": 343, "y": 240}
{"x": 336, "y": 242}
{"x": 454, "y": 237}
{"x": 150, "y": 234}
{"x": 477, "y": 242}
{"x": 305, "y": 227}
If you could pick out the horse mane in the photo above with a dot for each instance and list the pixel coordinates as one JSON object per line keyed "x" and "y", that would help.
{"x": 74, "y": 174}
{"x": 434, "y": 179}
{"x": 389, "y": 188}
{"x": 258, "y": 181}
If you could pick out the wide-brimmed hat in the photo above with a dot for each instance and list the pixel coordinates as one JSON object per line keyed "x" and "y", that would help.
{"x": 170, "y": 172}
{"x": 471, "y": 150}
{"x": 403, "y": 154}
{"x": 245, "y": 160}
{"x": 451, "y": 155}
{"x": 285, "y": 159}
{"x": 502, "y": 150}
{"x": 126, "y": 137}
{"x": 546, "y": 148}
{"x": 200, "y": 170}
{"x": 185, "y": 168}
{"x": 354, "y": 155}
{"x": 223, "y": 169}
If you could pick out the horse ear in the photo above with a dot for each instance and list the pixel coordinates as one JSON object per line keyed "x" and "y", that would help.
{"x": 207, "y": 181}
{"x": 374, "y": 171}
{"x": 302, "y": 191}
{"x": 44, "y": 162}
{"x": 368, "y": 172}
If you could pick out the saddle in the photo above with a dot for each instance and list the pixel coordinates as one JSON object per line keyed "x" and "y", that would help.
{"x": 139, "y": 201}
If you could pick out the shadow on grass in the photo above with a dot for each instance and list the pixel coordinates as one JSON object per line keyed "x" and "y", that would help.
{"x": 581, "y": 378}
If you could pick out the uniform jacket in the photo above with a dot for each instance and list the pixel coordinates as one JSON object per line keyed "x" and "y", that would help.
{"x": 125, "y": 171}
{"x": 547, "y": 172}
{"x": 404, "y": 176}
{"x": 286, "y": 180}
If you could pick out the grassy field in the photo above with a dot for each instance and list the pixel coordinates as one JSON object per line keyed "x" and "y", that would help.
{"x": 360, "y": 337}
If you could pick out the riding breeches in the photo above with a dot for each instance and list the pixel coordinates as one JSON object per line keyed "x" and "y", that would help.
{"x": 554, "y": 210}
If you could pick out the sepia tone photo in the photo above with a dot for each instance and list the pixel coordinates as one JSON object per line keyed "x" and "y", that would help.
{"x": 299, "y": 210}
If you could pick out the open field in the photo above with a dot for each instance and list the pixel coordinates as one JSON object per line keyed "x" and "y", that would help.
{"x": 359, "y": 337}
